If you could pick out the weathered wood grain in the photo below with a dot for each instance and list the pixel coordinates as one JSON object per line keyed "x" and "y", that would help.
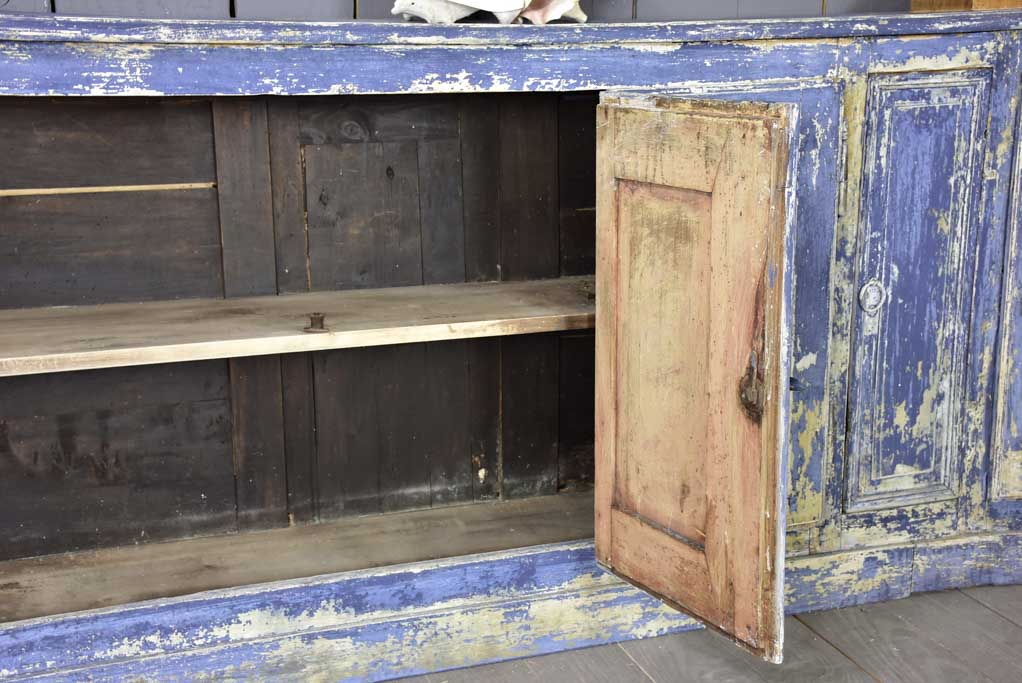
{"x": 56, "y": 143}
{"x": 576, "y": 160}
{"x": 484, "y": 417}
{"x": 1004, "y": 600}
{"x": 528, "y": 417}
{"x": 78, "y": 338}
{"x": 258, "y": 424}
{"x": 64, "y": 250}
{"x": 287, "y": 176}
{"x": 56, "y": 584}
{"x": 479, "y": 120}
{"x": 575, "y": 410}
{"x": 246, "y": 202}
{"x": 529, "y": 223}
{"x": 444, "y": 408}
{"x": 892, "y": 646}
{"x": 705, "y": 656}
{"x": 114, "y": 457}
{"x": 694, "y": 303}
{"x": 363, "y": 212}
{"x": 296, "y": 379}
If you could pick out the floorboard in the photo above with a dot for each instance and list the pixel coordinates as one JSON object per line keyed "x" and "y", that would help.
{"x": 890, "y": 641}
{"x": 933, "y": 637}
{"x": 606, "y": 664}
{"x": 1004, "y": 600}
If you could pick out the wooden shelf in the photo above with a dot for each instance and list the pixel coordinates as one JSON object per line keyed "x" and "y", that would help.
{"x": 67, "y": 338}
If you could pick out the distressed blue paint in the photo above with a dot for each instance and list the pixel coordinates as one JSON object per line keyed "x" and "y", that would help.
{"x": 88, "y": 30}
{"x": 75, "y": 69}
{"x": 846, "y": 579}
{"x": 174, "y": 639}
{"x": 969, "y": 562}
{"x": 915, "y": 237}
{"x": 69, "y": 648}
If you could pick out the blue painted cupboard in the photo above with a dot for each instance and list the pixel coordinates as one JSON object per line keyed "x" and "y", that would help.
{"x": 904, "y": 451}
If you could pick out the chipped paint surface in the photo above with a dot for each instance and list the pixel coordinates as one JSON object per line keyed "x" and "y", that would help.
{"x": 892, "y": 475}
{"x": 510, "y": 604}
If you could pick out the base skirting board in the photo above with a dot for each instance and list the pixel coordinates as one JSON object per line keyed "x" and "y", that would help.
{"x": 430, "y": 616}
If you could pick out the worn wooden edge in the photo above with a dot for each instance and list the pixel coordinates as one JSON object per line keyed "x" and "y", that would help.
{"x": 57, "y": 29}
{"x": 431, "y": 616}
{"x": 31, "y": 343}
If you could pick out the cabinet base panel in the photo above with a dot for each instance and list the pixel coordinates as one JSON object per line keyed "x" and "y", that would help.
{"x": 383, "y": 623}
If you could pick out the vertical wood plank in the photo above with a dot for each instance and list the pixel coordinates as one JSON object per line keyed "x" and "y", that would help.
{"x": 404, "y": 464}
{"x": 576, "y": 409}
{"x": 528, "y": 181}
{"x": 529, "y": 415}
{"x": 445, "y": 409}
{"x": 288, "y": 191}
{"x": 246, "y": 204}
{"x": 480, "y": 159}
{"x": 347, "y": 430}
{"x": 246, "y": 227}
{"x": 484, "y": 417}
{"x": 440, "y": 207}
{"x": 363, "y": 204}
{"x": 299, "y": 436}
{"x": 259, "y": 466}
{"x": 576, "y": 158}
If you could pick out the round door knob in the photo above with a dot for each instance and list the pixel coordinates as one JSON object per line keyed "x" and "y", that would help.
{"x": 871, "y": 296}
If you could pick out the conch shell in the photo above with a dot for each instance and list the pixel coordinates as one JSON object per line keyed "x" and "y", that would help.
{"x": 447, "y": 12}
{"x": 506, "y": 11}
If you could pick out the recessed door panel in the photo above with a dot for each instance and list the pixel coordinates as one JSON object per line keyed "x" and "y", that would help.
{"x": 924, "y": 140}
{"x": 692, "y": 358}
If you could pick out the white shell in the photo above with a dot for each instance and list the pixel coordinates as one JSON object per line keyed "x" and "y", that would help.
{"x": 545, "y": 11}
{"x": 432, "y": 11}
{"x": 447, "y": 12}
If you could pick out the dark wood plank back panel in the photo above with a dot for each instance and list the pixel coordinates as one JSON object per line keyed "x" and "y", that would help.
{"x": 290, "y": 195}
{"x": 114, "y": 457}
{"x": 106, "y": 247}
{"x": 100, "y": 142}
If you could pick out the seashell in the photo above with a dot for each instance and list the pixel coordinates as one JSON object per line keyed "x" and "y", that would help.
{"x": 448, "y": 12}
{"x": 545, "y": 11}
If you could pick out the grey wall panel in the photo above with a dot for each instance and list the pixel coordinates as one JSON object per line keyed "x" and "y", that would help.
{"x": 149, "y": 9}
{"x": 34, "y": 6}
{"x": 755, "y": 9}
{"x": 297, "y": 10}
{"x": 834, "y": 8}
{"x": 667, "y": 10}
{"x": 608, "y": 10}
{"x": 375, "y": 10}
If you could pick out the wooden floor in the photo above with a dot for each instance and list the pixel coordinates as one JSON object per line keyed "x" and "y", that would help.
{"x": 960, "y": 635}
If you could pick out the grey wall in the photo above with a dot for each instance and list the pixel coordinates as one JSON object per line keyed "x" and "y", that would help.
{"x": 337, "y": 10}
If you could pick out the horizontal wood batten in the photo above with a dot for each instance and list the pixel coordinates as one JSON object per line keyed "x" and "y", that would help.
{"x": 61, "y": 339}
{"x": 184, "y": 32}
{"x": 164, "y": 187}
{"x": 397, "y": 621}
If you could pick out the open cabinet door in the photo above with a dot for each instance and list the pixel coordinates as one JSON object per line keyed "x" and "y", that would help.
{"x": 692, "y": 360}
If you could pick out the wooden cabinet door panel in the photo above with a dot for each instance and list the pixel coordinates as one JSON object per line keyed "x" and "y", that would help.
{"x": 925, "y": 135}
{"x": 692, "y": 360}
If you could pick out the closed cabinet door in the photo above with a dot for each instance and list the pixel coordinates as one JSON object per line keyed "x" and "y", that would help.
{"x": 923, "y": 164}
{"x": 916, "y": 267}
{"x": 693, "y": 320}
